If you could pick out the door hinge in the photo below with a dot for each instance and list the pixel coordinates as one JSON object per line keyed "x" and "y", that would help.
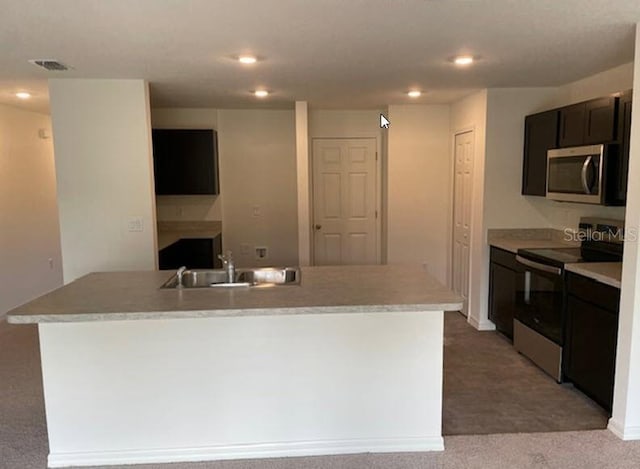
{"x": 376, "y": 156}
{"x": 376, "y": 214}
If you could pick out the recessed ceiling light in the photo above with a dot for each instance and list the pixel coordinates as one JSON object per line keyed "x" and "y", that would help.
{"x": 261, "y": 93}
{"x": 414, "y": 94}
{"x": 23, "y": 95}
{"x": 463, "y": 60}
{"x": 247, "y": 59}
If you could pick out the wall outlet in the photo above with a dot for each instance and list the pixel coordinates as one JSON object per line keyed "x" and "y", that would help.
{"x": 245, "y": 249}
{"x": 136, "y": 224}
{"x": 257, "y": 211}
{"x": 261, "y": 252}
{"x": 50, "y": 260}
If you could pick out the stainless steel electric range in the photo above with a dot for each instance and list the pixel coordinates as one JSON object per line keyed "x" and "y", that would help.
{"x": 539, "y": 324}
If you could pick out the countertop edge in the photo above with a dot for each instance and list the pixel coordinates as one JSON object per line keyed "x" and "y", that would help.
{"x": 512, "y": 245}
{"x": 597, "y": 276}
{"x": 222, "y": 313}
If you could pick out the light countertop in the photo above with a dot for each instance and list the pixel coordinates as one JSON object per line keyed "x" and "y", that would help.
{"x": 609, "y": 273}
{"x": 512, "y": 245}
{"x": 528, "y": 238}
{"x": 108, "y": 296}
{"x": 171, "y": 231}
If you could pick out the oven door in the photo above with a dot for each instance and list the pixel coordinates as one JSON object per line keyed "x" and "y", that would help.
{"x": 575, "y": 174}
{"x": 539, "y": 301}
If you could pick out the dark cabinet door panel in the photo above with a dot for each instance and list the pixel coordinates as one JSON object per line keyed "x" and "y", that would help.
{"x": 600, "y": 120}
{"x": 541, "y": 135}
{"x": 624, "y": 137}
{"x": 199, "y": 253}
{"x": 592, "y": 349}
{"x": 572, "y": 125}
{"x": 502, "y": 297}
{"x": 185, "y": 161}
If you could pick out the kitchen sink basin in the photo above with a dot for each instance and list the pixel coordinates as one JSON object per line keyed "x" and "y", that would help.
{"x": 266, "y": 276}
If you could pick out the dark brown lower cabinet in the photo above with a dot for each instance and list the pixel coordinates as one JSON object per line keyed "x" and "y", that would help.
{"x": 504, "y": 277}
{"x": 199, "y": 253}
{"x": 592, "y": 332}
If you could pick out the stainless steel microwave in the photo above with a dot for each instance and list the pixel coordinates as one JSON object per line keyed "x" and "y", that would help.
{"x": 579, "y": 174}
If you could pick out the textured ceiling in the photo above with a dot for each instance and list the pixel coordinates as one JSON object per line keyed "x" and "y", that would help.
{"x": 332, "y": 53}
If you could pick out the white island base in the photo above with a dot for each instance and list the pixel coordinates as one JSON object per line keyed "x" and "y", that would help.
{"x": 169, "y": 390}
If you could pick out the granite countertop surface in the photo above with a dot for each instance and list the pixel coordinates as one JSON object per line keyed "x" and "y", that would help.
{"x": 512, "y": 245}
{"x": 171, "y": 231}
{"x": 110, "y": 296}
{"x": 528, "y": 238}
{"x": 609, "y": 273}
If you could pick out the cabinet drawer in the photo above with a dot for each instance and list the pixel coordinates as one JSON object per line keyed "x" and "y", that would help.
{"x": 599, "y": 294}
{"x": 505, "y": 258}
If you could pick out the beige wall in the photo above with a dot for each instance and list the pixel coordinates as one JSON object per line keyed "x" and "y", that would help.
{"x": 419, "y": 187}
{"x": 29, "y": 236}
{"x": 187, "y": 207}
{"x": 105, "y": 174}
{"x": 601, "y": 84}
{"x": 625, "y": 421}
{"x": 505, "y": 207}
{"x": 258, "y": 172}
{"x": 344, "y": 123}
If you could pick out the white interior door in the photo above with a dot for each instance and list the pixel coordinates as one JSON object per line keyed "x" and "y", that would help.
{"x": 463, "y": 182}
{"x": 344, "y": 201}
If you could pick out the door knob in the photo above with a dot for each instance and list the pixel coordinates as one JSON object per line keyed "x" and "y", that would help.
{"x": 318, "y": 227}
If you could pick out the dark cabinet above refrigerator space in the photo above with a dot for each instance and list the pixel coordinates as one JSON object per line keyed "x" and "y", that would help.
{"x": 185, "y": 161}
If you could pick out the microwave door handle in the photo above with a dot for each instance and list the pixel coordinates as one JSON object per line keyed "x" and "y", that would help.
{"x": 585, "y": 168}
{"x": 535, "y": 265}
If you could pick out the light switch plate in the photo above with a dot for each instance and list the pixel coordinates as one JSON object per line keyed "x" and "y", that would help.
{"x": 136, "y": 224}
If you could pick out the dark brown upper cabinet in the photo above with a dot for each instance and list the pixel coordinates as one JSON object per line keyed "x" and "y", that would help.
{"x": 540, "y": 135}
{"x": 185, "y": 161}
{"x": 624, "y": 136}
{"x": 589, "y": 123}
{"x": 572, "y": 125}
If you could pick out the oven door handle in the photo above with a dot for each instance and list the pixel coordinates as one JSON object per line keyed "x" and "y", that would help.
{"x": 585, "y": 168}
{"x": 535, "y": 265}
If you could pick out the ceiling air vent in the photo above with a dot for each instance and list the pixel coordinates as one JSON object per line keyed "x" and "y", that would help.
{"x": 50, "y": 64}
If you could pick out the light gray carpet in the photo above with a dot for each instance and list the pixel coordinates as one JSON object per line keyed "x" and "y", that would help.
{"x": 23, "y": 440}
{"x": 490, "y": 388}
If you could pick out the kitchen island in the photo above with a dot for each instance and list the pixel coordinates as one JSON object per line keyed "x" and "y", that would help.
{"x": 348, "y": 361}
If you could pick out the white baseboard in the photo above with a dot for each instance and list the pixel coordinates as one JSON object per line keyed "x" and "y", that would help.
{"x": 628, "y": 433}
{"x": 484, "y": 325}
{"x": 249, "y": 451}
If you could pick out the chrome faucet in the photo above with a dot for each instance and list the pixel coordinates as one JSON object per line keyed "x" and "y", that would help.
{"x": 179, "y": 274}
{"x": 229, "y": 266}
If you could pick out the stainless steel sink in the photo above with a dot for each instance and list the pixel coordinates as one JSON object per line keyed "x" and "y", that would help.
{"x": 275, "y": 276}
{"x": 197, "y": 278}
